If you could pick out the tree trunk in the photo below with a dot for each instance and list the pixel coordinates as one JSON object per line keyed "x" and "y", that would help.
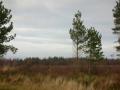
{"x": 77, "y": 49}
{"x": 77, "y": 53}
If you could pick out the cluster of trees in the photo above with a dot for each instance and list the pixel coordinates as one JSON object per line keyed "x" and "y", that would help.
{"x": 89, "y": 40}
{"x": 86, "y": 40}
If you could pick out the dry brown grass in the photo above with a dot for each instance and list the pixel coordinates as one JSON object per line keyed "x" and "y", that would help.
{"x": 40, "y": 82}
{"x": 57, "y": 75}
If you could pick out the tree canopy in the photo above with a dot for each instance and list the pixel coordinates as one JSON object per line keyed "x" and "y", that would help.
{"x": 77, "y": 33}
{"x": 5, "y": 28}
{"x": 116, "y": 29}
{"x": 86, "y": 40}
{"x": 93, "y": 45}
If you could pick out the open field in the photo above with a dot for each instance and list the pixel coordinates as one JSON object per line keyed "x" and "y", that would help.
{"x": 59, "y": 74}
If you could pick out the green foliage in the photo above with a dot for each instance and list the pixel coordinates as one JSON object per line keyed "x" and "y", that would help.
{"x": 5, "y": 28}
{"x": 116, "y": 29}
{"x": 116, "y": 15}
{"x": 78, "y": 32}
{"x": 87, "y": 40}
{"x": 93, "y": 45}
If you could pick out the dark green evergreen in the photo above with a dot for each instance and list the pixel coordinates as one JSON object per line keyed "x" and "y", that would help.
{"x": 6, "y": 27}
{"x": 116, "y": 15}
{"x": 116, "y": 29}
{"x": 93, "y": 44}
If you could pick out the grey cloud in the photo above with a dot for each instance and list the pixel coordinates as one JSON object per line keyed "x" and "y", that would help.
{"x": 51, "y": 20}
{"x": 40, "y": 40}
{"x": 44, "y": 33}
{"x": 58, "y": 13}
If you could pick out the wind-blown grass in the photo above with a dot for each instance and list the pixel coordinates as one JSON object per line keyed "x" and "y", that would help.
{"x": 59, "y": 75}
{"x": 40, "y": 82}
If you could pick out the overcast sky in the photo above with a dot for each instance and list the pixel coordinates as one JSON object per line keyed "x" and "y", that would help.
{"x": 42, "y": 26}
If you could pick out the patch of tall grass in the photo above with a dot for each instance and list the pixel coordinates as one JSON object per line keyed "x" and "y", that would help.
{"x": 41, "y": 82}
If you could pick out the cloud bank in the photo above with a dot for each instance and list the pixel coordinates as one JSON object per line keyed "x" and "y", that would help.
{"x": 42, "y": 26}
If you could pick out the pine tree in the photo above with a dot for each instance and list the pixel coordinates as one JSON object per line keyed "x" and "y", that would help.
{"x": 5, "y": 28}
{"x": 93, "y": 45}
{"x": 77, "y": 33}
{"x": 116, "y": 30}
{"x": 116, "y": 15}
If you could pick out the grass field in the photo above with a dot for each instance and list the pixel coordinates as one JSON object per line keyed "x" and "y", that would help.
{"x": 34, "y": 74}
{"x": 40, "y": 82}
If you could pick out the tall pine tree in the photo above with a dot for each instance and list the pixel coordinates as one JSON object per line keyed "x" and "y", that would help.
{"x": 116, "y": 15}
{"x": 77, "y": 33}
{"x": 5, "y": 28}
{"x": 116, "y": 29}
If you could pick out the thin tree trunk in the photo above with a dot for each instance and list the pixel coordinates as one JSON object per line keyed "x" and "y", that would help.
{"x": 77, "y": 53}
